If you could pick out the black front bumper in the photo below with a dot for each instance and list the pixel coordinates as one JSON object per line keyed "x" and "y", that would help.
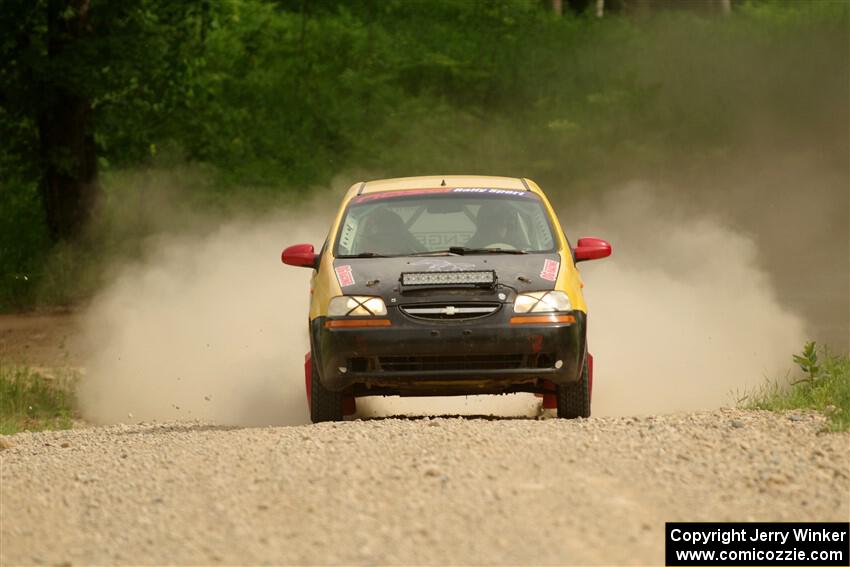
{"x": 483, "y": 356}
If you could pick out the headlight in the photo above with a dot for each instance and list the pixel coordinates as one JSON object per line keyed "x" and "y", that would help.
{"x": 542, "y": 302}
{"x": 345, "y": 305}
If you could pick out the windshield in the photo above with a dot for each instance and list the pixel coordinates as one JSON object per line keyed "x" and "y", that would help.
{"x": 459, "y": 220}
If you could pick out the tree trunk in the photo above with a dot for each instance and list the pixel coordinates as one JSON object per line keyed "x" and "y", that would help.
{"x": 579, "y": 6}
{"x": 558, "y": 7}
{"x": 66, "y": 131}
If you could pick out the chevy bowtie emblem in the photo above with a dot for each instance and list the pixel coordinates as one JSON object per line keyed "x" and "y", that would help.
{"x": 449, "y": 310}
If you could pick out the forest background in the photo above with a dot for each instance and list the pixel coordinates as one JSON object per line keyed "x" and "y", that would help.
{"x": 118, "y": 118}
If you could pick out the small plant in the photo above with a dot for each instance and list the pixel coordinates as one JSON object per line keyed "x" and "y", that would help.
{"x": 825, "y": 388}
{"x": 808, "y": 362}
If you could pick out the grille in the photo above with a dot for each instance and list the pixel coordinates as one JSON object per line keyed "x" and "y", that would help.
{"x": 449, "y": 312}
{"x": 441, "y": 362}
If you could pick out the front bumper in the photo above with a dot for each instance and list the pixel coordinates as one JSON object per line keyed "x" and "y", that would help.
{"x": 483, "y": 356}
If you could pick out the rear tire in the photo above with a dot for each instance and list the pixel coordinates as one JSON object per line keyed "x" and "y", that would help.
{"x": 574, "y": 398}
{"x": 325, "y": 405}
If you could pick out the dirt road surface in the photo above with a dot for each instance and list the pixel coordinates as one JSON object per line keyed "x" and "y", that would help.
{"x": 426, "y": 491}
{"x": 39, "y": 339}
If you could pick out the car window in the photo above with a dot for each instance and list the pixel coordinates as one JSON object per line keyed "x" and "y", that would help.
{"x": 439, "y": 231}
{"x": 424, "y": 222}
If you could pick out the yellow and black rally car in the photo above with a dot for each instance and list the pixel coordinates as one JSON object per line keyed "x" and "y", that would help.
{"x": 452, "y": 285}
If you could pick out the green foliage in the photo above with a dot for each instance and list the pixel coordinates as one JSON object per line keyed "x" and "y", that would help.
{"x": 273, "y": 98}
{"x": 34, "y": 400}
{"x": 24, "y": 244}
{"x": 808, "y": 361}
{"x": 826, "y": 387}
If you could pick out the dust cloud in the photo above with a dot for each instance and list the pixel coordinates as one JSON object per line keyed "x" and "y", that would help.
{"x": 206, "y": 326}
{"x": 209, "y": 325}
{"x": 682, "y": 316}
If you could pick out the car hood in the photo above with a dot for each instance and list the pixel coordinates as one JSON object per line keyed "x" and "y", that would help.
{"x": 381, "y": 276}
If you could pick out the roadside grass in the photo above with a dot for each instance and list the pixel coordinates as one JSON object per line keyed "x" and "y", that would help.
{"x": 825, "y": 387}
{"x": 34, "y": 399}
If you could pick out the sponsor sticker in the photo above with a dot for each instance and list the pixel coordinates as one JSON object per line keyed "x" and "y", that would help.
{"x": 490, "y": 191}
{"x": 344, "y": 275}
{"x": 550, "y": 270}
{"x": 346, "y": 235}
{"x": 381, "y": 195}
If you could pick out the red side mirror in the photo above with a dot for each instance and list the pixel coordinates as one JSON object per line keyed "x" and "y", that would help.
{"x": 302, "y": 255}
{"x": 591, "y": 249}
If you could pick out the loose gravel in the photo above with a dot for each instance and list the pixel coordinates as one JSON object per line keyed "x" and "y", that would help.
{"x": 397, "y": 491}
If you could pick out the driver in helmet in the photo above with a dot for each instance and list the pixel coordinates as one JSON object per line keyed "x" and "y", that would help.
{"x": 385, "y": 233}
{"x": 496, "y": 227}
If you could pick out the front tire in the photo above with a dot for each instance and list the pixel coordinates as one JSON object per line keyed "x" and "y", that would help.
{"x": 325, "y": 405}
{"x": 574, "y": 398}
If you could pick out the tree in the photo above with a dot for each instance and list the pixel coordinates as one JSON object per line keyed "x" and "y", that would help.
{"x": 66, "y": 128}
{"x": 84, "y": 80}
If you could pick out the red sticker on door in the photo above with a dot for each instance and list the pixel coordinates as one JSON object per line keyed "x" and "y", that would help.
{"x": 550, "y": 270}
{"x": 344, "y": 275}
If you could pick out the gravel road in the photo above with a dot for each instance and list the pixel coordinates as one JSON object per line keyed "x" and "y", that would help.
{"x": 390, "y": 491}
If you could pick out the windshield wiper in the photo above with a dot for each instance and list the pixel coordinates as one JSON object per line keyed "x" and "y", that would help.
{"x": 432, "y": 253}
{"x": 364, "y": 255}
{"x": 464, "y": 250}
{"x": 456, "y": 250}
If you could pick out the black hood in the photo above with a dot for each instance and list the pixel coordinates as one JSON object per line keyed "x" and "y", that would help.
{"x": 381, "y": 276}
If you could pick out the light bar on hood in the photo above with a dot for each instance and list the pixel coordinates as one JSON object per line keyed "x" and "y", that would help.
{"x": 448, "y": 278}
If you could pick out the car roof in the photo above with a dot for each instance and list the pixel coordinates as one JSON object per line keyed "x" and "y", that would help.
{"x": 433, "y": 181}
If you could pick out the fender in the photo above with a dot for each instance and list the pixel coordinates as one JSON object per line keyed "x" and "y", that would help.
{"x": 349, "y": 403}
{"x": 550, "y": 401}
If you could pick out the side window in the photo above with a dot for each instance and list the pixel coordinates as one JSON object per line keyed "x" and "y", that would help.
{"x": 346, "y": 235}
